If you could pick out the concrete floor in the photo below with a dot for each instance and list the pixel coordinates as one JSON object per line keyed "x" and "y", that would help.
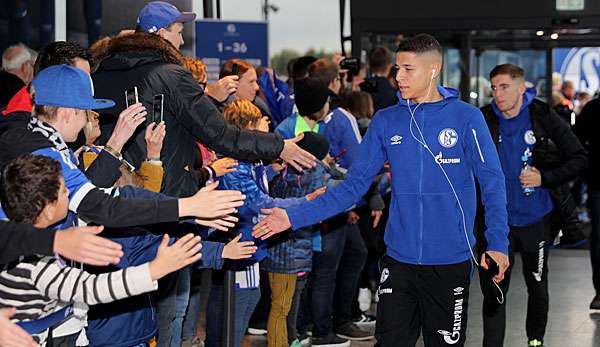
{"x": 570, "y": 323}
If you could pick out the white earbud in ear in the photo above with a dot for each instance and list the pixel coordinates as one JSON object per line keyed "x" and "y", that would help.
{"x": 432, "y": 73}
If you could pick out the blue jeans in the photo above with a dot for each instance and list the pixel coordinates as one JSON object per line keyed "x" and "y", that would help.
{"x": 165, "y": 299}
{"x": 245, "y": 302}
{"x": 353, "y": 260}
{"x": 199, "y": 291}
{"x": 323, "y": 279}
{"x": 594, "y": 203}
{"x": 181, "y": 304}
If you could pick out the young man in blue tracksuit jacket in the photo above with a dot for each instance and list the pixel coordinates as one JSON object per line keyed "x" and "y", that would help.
{"x": 525, "y": 130}
{"x": 436, "y": 146}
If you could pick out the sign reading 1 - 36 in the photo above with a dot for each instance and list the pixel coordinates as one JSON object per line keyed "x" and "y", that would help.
{"x": 218, "y": 41}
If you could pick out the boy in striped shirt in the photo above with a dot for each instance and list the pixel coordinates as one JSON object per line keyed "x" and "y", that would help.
{"x": 33, "y": 191}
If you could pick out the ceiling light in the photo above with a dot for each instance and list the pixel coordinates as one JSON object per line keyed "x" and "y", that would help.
{"x": 554, "y": 36}
{"x": 540, "y": 33}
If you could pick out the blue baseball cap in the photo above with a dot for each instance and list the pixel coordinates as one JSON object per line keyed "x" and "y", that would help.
{"x": 67, "y": 86}
{"x": 159, "y": 14}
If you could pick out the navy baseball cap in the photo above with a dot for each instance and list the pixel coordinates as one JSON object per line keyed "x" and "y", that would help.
{"x": 159, "y": 14}
{"x": 67, "y": 86}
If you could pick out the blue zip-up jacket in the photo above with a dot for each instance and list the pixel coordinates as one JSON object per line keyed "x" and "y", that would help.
{"x": 132, "y": 321}
{"x": 292, "y": 252}
{"x": 516, "y": 139}
{"x": 425, "y": 224}
{"x": 279, "y": 97}
{"x": 344, "y": 137}
{"x": 251, "y": 180}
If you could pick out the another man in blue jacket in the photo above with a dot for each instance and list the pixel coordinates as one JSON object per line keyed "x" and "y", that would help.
{"x": 436, "y": 145}
{"x": 529, "y": 134}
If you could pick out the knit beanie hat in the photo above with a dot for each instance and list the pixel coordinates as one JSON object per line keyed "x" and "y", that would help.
{"x": 310, "y": 95}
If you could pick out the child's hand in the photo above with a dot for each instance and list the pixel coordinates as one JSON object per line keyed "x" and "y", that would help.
{"x": 316, "y": 193}
{"x": 172, "y": 258}
{"x": 238, "y": 250}
{"x": 353, "y": 217}
{"x": 278, "y": 167}
{"x": 328, "y": 160}
{"x": 224, "y": 166}
{"x": 220, "y": 223}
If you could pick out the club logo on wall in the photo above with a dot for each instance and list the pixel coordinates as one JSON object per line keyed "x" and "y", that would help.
{"x": 582, "y": 67}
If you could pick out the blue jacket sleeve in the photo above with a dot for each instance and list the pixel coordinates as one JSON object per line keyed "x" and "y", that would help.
{"x": 482, "y": 154}
{"x": 271, "y": 173}
{"x": 344, "y": 137}
{"x": 256, "y": 198}
{"x": 372, "y": 155}
{"x": 141, "y": 248}
{"x": 277, "y": 96}
{"x": 211, "y": 255}
{"x": 287, "y": 127}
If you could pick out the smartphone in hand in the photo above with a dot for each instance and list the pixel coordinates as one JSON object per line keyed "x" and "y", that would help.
{"x": 235, "y": 69}
{"x": 493, "y": 267}
{"x": 131, "y": 96}
{"x": 157, "y": 109}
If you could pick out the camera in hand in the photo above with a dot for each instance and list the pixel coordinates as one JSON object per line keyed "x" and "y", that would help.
{"x": 369, "y": 85}
{"x": 350, "y": 64}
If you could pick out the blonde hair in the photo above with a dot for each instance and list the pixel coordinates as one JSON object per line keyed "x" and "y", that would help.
{"x": 242, "y": 113}
{"x": 88, "y": 128}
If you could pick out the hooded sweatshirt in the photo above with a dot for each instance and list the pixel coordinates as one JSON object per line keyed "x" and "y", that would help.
{"x": 517, "y": 139}
{"x": 431, "y": 220}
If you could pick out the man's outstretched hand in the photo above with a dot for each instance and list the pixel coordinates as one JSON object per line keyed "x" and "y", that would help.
{"x": 83, "y": 244}
{"x": 277, "y": 221}
{"x": 296, "y": 156}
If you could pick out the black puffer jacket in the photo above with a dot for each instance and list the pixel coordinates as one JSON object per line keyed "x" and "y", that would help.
{"x": 155, "y": 67}
{"x": 558, "y": 155}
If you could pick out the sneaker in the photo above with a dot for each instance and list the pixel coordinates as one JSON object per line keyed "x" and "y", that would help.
{"x": 365, "y": 320}
{"x": 595, "y": 304}
{"x": 192, "y": 343}
{"x": 364, "y": 299}
{"x": 535, "y": 343}
{"x": 330, "y": 340}
{"x": 257, "y": 331}
{"x": 304, "y": 339}
{"x": 351, "y": 331}
{"x": 296, "y": 343}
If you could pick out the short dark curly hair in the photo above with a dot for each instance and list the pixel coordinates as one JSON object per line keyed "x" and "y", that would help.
{"x": 28, "y": 184}
{"x": 60, "y": 52}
